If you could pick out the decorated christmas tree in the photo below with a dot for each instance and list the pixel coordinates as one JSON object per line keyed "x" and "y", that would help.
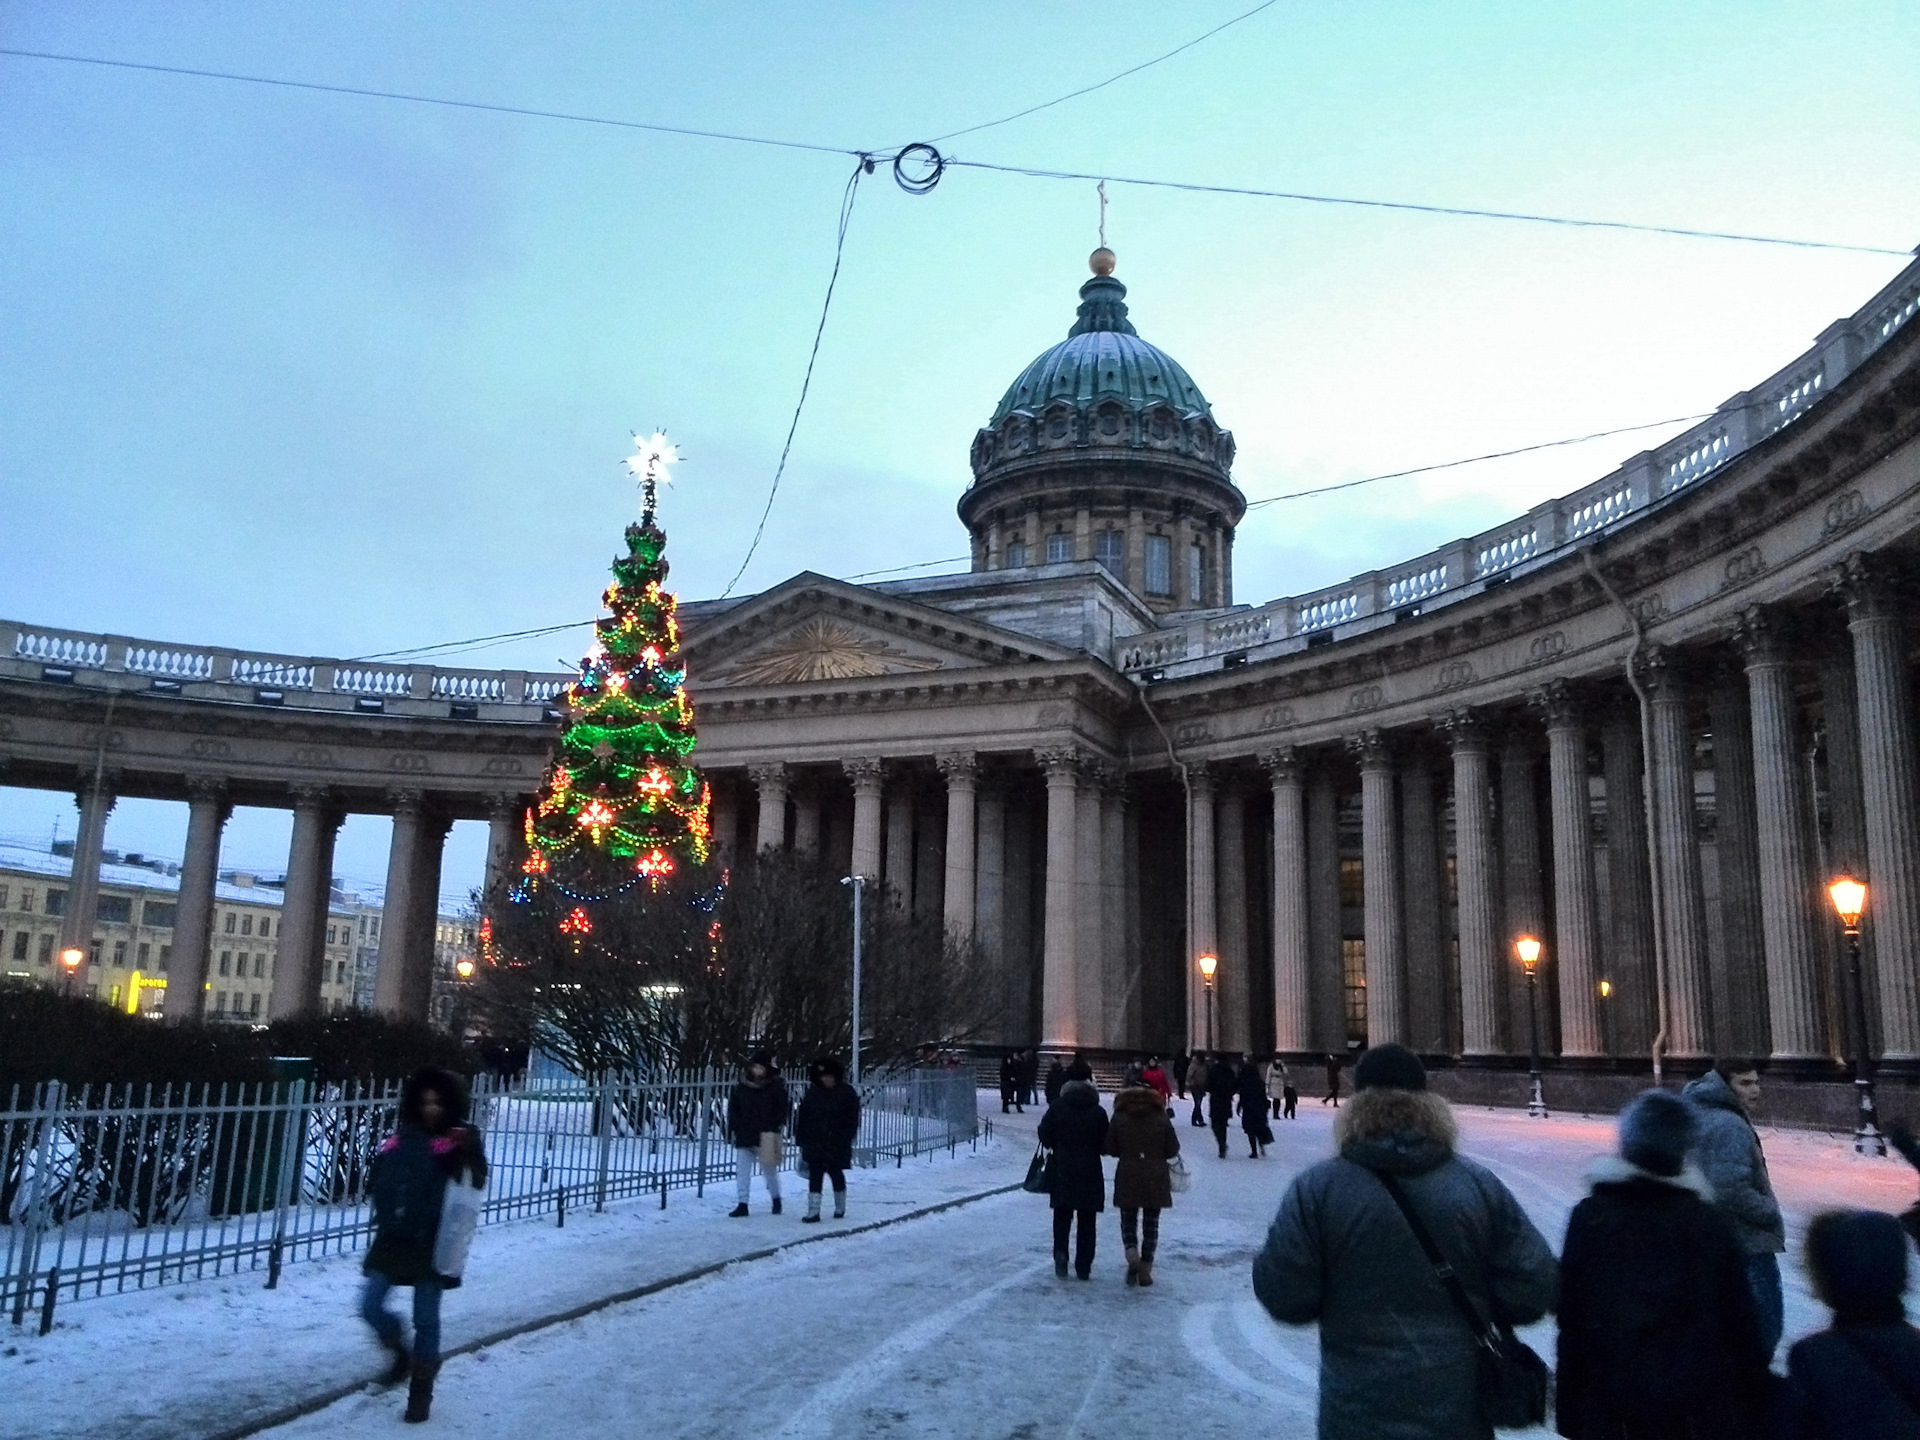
{"x": 622, "y": 802}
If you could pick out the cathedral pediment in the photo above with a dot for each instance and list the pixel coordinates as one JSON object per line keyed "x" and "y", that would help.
{"x": 814, "y": 630}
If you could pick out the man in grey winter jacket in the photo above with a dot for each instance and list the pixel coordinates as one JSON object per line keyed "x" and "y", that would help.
{"x": 1726, "y": 1147}
{"x": 1397, "y": 1360}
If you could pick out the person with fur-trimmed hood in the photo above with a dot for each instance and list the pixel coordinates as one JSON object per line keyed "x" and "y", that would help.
{"x": 1397, "y": 1360}
{"x": 1659, "y": 1335}
{"x": 1141, "y": 1133}
{"x": 825, "y": 1127}
{"x": 432, "y": 1147}
{"x": 1075, "y": 1129}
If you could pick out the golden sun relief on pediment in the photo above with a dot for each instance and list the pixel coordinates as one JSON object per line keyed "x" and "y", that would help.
{"x": 823, "y": 649}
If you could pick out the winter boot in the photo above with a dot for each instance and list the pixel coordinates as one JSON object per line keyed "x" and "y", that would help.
{"x": 1133, "y": 1265}
{"x": 420, "y": 1392}
{"x": 812, "y": 1216}
{"x": 397, "y": 1371}
{"x": 739, "y": 1212}
{"x": 1146, "y": 1272}
{"x": 1253, "y": 1147}
{"x": 839, "y": 1204}
{"x": 776, "y": 1204}
{"x": 1060, "y": 1264}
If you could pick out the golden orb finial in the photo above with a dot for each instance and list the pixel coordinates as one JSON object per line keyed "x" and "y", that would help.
{"x": 1101, "y": 262}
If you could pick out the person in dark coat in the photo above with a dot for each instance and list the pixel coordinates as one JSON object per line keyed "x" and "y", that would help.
{"x": 1030, "y": 1076}
{"x": 1179, "y": 1074}
{"x": 1079, "y": 1069}
{"x": 1222, "y": 1085}
{"x": 1075, "y": 1129}
{"x": 1860, "y": 1379}
{"x": 825, "y": 1127}
{"x": 1010, "y": 1082}
{"x": 1252, "y": 1088}
{"x": 1726, "y": 1147}
{"x": 757, "y": 1113}
{"x": 1056, "y": 1077}
{"x": 1280, "y": 1089}
{"x": 1397, "y": 1360}
{"x": 1143, "y": 1137}
{"x": 1197, "y": 1086}
{"x": 432, "y": 1147}
{"x": 1659, "y": 1336}
{"x": 1333, "y": 1081}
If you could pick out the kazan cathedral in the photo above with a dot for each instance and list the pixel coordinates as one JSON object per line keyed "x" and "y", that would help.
{"x": 1644, "y": 723}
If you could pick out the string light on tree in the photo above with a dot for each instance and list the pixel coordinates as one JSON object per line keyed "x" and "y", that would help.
{"x": 622, "y": 798}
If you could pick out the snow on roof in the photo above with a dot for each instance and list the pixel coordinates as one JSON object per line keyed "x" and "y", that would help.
{"x": 20, "y": 859}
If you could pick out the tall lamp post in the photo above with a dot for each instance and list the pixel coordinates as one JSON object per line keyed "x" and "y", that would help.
{"x": 1849, "y": 898}
{"x": 70, "y": 961}
{"x": 1528, "y": 949}
{"x": 859, "y": 884}
{"x": 1208, "y": 964}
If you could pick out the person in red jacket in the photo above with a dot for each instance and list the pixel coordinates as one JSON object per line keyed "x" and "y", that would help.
{"x": 1155, "y": 1078}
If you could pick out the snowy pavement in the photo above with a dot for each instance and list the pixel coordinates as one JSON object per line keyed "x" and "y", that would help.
{"x": 948, "y": 1325}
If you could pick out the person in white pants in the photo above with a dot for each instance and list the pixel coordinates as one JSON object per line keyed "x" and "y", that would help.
{"x": 757, "y": 1113}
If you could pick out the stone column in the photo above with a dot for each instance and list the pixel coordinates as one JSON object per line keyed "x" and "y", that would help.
{"x": 1787, "y": 883}
{"x": 866, "y": 777}
{"x": 1523, "y": 874}
{"x": 1740, "y": 968}
{"x": 296, "y": 976}
{"x": 1233, "y": 986}
{"x": 771, "y": 782}
{"x": 1326, "y": 981}
{"x": 1847, "y": 843}
{"x": 1120, "y": 975}
{"x": 390, "y": 987}
{"x": 1205, "y": 939}
{"x": 422, "y": 916}
{"x": 1292, "y": 938}
{"x": 207, "y": 812}
{"x": 1424, "y": 907}
{"x": 1629, "y": 886}
{"x": 83, "y": 888}
{"x": 899, "y": 861}
{"x": 1090, "y": 948}
{"x": 1380, "y": 851}
{"x": 1576, "y": 937}
{"x": 506, "y": 838}
{"x": 1059, "y": 1016}
{"x": 1480, "y": 948}
{"x": 990, "y": 902}
{"x": 806, "y": 820}
{"x": 1887, "y": 767}
{"x": 962, "y": 772}
{"x": 1139, "y": 986}
{"x": 725, "y": 819}
{"x": 1682, "y": 909}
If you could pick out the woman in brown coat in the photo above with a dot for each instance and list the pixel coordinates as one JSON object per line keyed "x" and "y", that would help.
{"x": 1145, "y": 1140}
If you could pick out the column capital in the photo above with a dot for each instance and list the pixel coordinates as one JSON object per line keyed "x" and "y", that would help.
{"x": 103, "y": 783}
{"x": 504, "y": 806}
{"x": 1559, "y": 704}
{"x": 960, "y": 767}
{"x": 1200, "y": 776}
{"x": 765, "y": 775}
{"x": 1866, "y": 583}
{"x": 1372, "y": 748}
{"x": 866, "y": 772}
{"x": 406, "y": 802}
{"x": 1283, "y": 765}
{"x": 1061, "y": 764}
{"x": 206, "y": 789}
{"x": 308, "y": 796}
{"x": 1466, "y": 732}
{"x": 1760, "y": 638}
{"x": 1661, "y": 671}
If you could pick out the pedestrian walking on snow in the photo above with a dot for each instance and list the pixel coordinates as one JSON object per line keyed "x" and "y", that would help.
{"x": 1252, "y": 1086}
{"x": 1659, "y": 1335}
{"x": 1010, "y": 1082}
{"x": 1143, "y": 1136}
{"x": 432, "y": 1147}
{"x": 1197, "y": 1085}
{"x": 1727, "y": 1149}
{"x": 757, "y": 1113}
{"x": 1397, "y": 1359}
{"x": 1222, "y": 1085}
{"x": 1859, "y": 1380}
{"x": 1075, "y": 1130}
{"x": 1154, "y": 1077}
{"x": 1280, "y": 1091}
{"x": 1333, "y": 1082}
{"x": 1030, "y": 1076}
{"x": 825, "y": 1127}
{"x": 1178, "y": 1074}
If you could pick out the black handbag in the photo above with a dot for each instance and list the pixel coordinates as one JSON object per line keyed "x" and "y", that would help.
{"x": 1039, "y": 1179}
{"x": 1513, "y": 1379}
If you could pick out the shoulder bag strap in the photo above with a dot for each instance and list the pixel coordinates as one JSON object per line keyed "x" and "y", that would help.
{"x": 1485, "y": 1331}
{"x": 1901, "y": 1386}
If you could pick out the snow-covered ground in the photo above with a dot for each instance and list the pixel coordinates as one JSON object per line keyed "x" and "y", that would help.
{"x": 948, "y": 1325}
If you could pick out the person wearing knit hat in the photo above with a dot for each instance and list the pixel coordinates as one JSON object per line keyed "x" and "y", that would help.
{"x": 1659, "y": 1332}
{"x": 1860, "y": 1379}
{"x": 1396, "y": 1358}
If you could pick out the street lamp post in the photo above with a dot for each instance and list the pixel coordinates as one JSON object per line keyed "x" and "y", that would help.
{"x": 70, "y": 961}
{"x": 859, "y": 884}
{"x": 1528, "y": 949}
{"x": 1849, "y": 898}
{"x": 1208, "y": 964}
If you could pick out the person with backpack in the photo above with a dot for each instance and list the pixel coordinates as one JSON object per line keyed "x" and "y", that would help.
{"x": 1399, "y": 1359}
{"x": 1860, "y": 1378}
{"x": 432, "y": 1148}
{"x": 757, "y": 1111}
{"x": 1142, "y": 1135}
{"x": 825, "y": 1127}
{"x": 1659, "y": 1335}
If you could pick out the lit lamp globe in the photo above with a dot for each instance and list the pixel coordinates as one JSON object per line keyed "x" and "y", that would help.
{"x": 1528, "y": 949}
{"x": 1849, "y": 898}
{"x": 71, "y": 958}
{"x": 1208, "y": 964}
{"x": 463, "y": 967}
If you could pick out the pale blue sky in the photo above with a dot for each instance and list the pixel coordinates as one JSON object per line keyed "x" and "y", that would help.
{"x": 333, "y": 375}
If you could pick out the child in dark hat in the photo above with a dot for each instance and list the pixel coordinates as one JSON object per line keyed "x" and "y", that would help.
{"x": 1860, "y": 1378}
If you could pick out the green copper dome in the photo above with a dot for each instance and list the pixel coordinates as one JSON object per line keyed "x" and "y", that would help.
{"x": 1102, "y": 358}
